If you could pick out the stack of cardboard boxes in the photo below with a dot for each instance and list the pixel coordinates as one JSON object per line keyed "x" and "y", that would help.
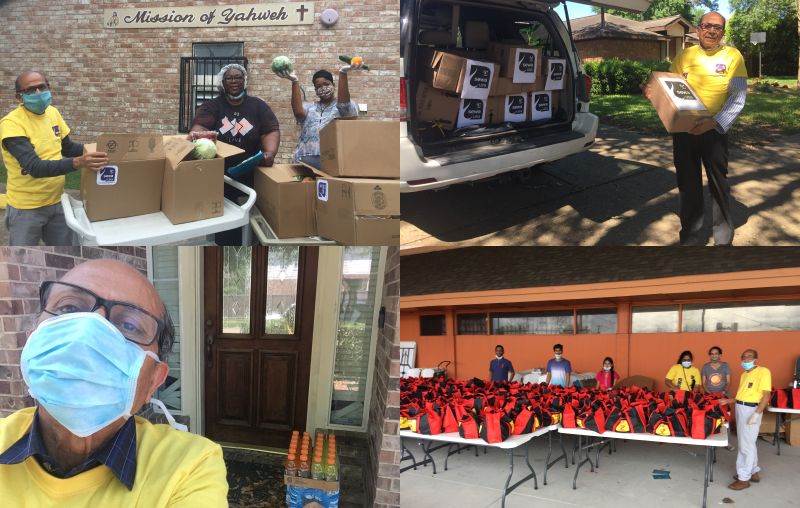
{"x": 507, "y": 83}
{"x": 353, "y": 197}
{"x": 148, "y": 173}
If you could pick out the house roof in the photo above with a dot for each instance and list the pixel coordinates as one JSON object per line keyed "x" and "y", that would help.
{"x": 490, "y": 268}
{"x": 588, "y": 27}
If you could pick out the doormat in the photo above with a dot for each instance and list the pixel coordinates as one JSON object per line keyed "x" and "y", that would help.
{"x": 255, "y": 481}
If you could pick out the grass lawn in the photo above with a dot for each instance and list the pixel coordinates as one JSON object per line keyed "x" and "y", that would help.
{"x": 766, "y": 115}
{"x": 782, "y": 80}
{"x": 73, "y": 179}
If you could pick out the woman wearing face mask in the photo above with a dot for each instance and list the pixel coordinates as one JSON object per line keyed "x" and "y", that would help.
{"x": 682, "y": 375}
{"x": 313, "y": 116}
{"x": 607, "y": 378}
{"x": 243, "y": 121}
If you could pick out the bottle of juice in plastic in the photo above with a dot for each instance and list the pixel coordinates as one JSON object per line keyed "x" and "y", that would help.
{"x": 331, "y": 471}
{"x": 303, "y": 469}
{"x": 317, "y": 469}
{"x": 291, "y": 465}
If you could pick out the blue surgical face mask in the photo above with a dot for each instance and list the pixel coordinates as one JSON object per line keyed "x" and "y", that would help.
{"x": 558, "y": 356}
{"x": 606, "y": 368}
{"x": 236, "y": 97}
{"x": 37, "y": 102}
{"x": 82, "y": 370}
{"x": 748, "y": 365}
{"x": 686, "y": 365}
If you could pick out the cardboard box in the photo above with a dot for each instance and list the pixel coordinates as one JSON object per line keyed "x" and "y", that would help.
{"x": 520, "y": 63}
{"x": 541, "y": 106}
{"x": 677, "y": 105}
{"x": 471, "y": 112}
{"x": 131, "y": 183}
{"x": 791, "y": 427}
{"x": 470, "y": 79}
{"x": 310, "y": 483}
{"x": 363, "y": 148}
{"x": 358, "y": 211}
{"x": 556, "y": 73}
{"x": 286, "y": 202}
{"x": 193, "y": 188}
{"x": 504, "y": 86}
{"x": 511, "y": 108}
{"x": 436, "y": 106}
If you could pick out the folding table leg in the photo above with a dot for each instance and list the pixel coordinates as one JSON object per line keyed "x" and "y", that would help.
{"x": 777, "y": 429}
{"x": 510, "y": 474}
{"x": 428, "y": 456}
{"x": 563, "y": 455}
{"x": 705, "y": 482}
{"x": 528, "y": 461}
{"x": 405, "y": 453}
{"x": 713, "y": 461}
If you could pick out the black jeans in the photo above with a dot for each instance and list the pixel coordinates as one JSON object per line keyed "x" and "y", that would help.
{"x": 710, "y": 149}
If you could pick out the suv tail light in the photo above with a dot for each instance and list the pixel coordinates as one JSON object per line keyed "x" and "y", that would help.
{"x": 403, "y": 101}
{"x": 588, "y": 80}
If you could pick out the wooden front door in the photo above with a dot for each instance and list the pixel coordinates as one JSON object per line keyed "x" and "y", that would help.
{"x": 259, "y": 320}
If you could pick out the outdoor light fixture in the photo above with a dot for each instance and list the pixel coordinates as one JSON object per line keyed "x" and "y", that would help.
{"x": 329, "y": 17}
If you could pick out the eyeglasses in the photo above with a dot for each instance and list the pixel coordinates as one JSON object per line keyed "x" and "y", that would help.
{"x": 709, "y": 27}
{"x": 41, "y": 87}
{"x": 136, "y": 324}
{"x": 748, "y": 357}
{"x": 234, "y": 78}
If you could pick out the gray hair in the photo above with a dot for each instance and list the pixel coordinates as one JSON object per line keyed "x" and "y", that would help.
{"x": 221, "y": 74}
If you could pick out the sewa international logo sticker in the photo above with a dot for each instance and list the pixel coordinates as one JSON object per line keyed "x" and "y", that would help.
{"x": 479, "y": 76}
{"x": 527, "y": 61}
{"x": 473, "y": 109}
{"x": 542, "y": 102}
{"x": 108, "y": 175}
{"x": 322, "y": 190}
{"x": 680, "y": 90}
{"x": 516, "y": 105}
{"x": 556, "y": 71}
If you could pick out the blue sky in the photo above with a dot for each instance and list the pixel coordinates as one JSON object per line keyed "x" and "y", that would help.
{"x": 580, "y": 10}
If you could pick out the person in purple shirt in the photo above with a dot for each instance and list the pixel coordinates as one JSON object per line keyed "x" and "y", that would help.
{"x": 559, "y": 369}
{"x": 500, "y": 368}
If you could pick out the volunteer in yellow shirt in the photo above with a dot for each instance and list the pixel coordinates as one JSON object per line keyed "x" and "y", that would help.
{"x": 718, "y": 74}
{"x": 37, "y": 153}
{"x": 752, "y": 399}
{"x": 91, "y": 362}
{"x": 682, "y": 375}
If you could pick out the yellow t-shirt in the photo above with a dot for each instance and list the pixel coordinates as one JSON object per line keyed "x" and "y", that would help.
{"x": 709, "y": 72}
{"x": 173, "y": 469}
{"x": 678, "y": 373}
{"x": 753, "y": 384}
{"x": 45, "y": 132}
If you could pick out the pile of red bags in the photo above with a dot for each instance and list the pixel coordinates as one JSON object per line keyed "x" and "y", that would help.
{"x": 493, "y": 411}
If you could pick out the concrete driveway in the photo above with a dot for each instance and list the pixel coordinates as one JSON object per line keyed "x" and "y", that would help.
{"x": 621, "y": 192}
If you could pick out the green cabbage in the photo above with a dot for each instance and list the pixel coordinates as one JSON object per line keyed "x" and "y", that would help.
{"x": 282, "y": 63}
{"x": 204, "y": 149}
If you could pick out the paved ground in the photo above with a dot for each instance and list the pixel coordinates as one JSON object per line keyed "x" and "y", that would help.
{"x": 623, "y": 480}
{"x": 621, "y": 192}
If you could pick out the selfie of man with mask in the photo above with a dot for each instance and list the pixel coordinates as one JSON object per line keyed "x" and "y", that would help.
{"x": 93, "y": 360}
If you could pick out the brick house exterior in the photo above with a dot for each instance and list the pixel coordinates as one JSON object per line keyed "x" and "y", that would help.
{"x": 604, "y": 36}
{"x": 19, "y": 303}
{"x": 127, "y": 80}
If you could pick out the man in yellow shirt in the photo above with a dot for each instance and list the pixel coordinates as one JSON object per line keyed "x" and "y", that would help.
{"x": 37, "y": 153}
{"x": 752, "y": 398}
{"x": 91, "y": 362}
{"x": 718, "y": 74}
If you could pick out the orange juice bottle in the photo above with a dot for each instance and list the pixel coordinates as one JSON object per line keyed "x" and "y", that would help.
{"x": 291, "y": 465}
{"x": 303, "y": 469}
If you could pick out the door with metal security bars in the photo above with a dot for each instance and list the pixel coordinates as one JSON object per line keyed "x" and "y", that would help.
{"x": 197, "y": 84}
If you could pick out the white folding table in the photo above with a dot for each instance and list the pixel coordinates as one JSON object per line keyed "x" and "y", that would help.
{"x": 712, "y": 442}
{"x": 509, "y": 445}
{"x": 779, "y": 411}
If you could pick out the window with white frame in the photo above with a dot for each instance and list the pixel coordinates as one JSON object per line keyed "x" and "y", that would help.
{"x": 164, "y": 274}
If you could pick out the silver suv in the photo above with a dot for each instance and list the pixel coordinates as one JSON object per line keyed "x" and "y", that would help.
{"x": 432, "y": 157}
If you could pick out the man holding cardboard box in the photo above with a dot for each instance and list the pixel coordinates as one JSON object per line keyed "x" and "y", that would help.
{"x": 37, "y": 153}
{"x": 717, "y": 74}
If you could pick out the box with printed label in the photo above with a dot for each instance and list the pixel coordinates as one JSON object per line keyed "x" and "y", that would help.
{"x": 520, "y": 63}
{"x": 556, "y": 72}
{"x": 470, "y": 79}
{"x": 471, "y": 112}
{"x": 286, "y": 199}
{"x": 677, "y": 105}
{"x": 436, "y": 106}
{"x": 362, "y": 148}
{"x": 131, "y": 182}
{"x": 193, "y": 188}
{"x": 541, "y": 106}
{"x": 358, "y": 211}
{"x": 511, "y": 108}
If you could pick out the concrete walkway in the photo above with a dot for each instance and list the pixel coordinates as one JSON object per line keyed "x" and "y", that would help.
{"x": 623, "y": 480}
{"x": 621, "y": 192}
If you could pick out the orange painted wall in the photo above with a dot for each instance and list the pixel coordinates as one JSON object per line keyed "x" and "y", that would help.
{"x": 431, "y": 350}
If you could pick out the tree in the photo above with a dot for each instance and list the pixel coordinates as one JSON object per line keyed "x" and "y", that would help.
{"x": 689, "y": 9}
{"x": 778, "y": 18}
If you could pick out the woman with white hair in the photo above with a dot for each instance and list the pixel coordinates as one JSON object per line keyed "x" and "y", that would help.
{"x": 243, "y": 121}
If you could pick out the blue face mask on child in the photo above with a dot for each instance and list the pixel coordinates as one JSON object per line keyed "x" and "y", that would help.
{"x": 37, "y": 102}
{"x": 82, "y": 370}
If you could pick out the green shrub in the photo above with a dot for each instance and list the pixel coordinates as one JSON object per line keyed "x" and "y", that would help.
{"x": 621, "y": 77}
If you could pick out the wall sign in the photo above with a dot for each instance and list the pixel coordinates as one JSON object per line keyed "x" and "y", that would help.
{"x": 287, "y": 13}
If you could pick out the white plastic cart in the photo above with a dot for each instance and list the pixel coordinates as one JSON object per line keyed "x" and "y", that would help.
{"x": 266, "y": 236}
{"x": 155, "y": 228}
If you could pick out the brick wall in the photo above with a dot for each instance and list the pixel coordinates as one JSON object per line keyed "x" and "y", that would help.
{"x": 631, "y": 49}
{"x": 21, "y": 271}
{"x": 385, "y": 408}
{"x": 106, "y": 80}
